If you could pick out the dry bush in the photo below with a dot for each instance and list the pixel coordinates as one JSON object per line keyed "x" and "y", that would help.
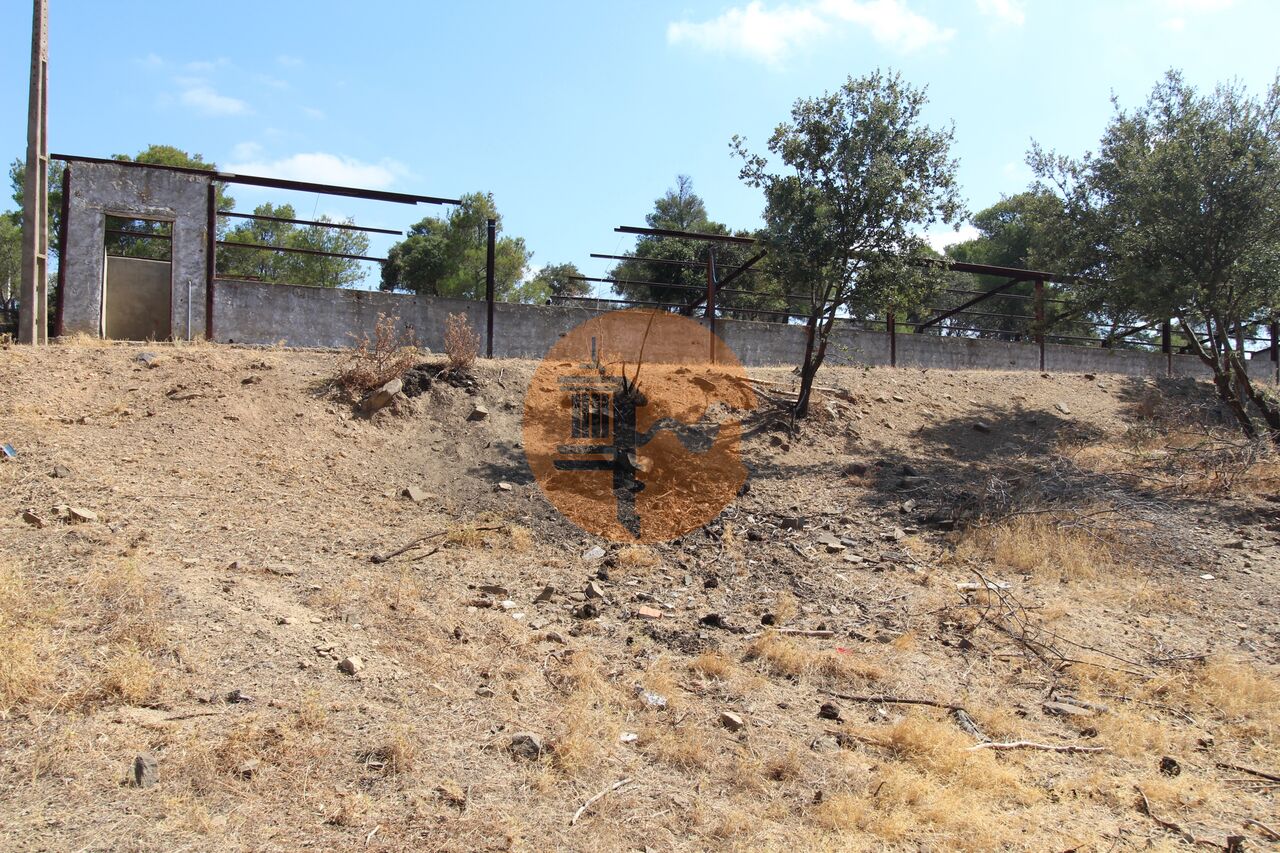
{"x": 461, "y": 343}
{"x": 374, "y": 363}
{"x": 713, "y": 665}
{"x": 131, "y": 676}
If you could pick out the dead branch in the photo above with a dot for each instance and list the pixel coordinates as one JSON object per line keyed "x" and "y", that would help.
{"x": 1263, "y": 828}
{"x": 1026, "y": 744}
{"x": 1274, "y": 777}
{"x": 802, "y": 632}
{"x": 615, "y": 786}
{"x": 881, "y": 699}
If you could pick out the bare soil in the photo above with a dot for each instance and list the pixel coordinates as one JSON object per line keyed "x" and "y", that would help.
{"x": 201, "y": 609}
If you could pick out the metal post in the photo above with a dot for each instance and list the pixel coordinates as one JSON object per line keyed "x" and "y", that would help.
{"x": 210, "y": 260}
{"x": 890, "y": 323}
{"x": 34, "y": 325}
{"x": 710, "y": 313}
{"x": 1040, "y": 319}
{"x": 62, "y": 251}
{"x": 1166, "y": 346}
{"x": 489, "y": 283}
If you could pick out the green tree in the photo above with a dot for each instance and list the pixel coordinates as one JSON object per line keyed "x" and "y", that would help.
{"x": 864, "y": 176}
{"x": 447, "y": 256}
{"x": 136, "y": 244}
{"x": 291, "y": 267}
{"x": 1009, "y": 233}
{"x": 678, "y": 267}
{"x": 10, "y": 260}
{"x": 555, "y": 280}
{"x": 1176, "y": 217}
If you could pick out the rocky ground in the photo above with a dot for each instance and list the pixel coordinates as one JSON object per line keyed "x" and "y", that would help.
{"x": 193, "y": 597}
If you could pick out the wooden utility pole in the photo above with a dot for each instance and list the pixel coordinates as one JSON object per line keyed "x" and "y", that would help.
{"x": 34, "y": 326}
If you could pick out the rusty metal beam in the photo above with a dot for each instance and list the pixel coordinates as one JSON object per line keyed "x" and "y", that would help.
{"x": 685, "y": 235}
{"x": 320, "y": 223}
{"x": 920, "y": 327}
{"x": 236, "y": 245}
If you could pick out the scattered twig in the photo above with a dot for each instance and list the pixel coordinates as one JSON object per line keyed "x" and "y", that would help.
{"x": 382, "y": 558}
{"x": 1050, "y": 747}
{"x": 1145, "y": 807}
{"x": 1274, "y": 777}
{"x": 802, "y": 632}
{"x": 372, "y": 833}
{"x": 1262, "y": 827}
{"x": 615, "y": 786}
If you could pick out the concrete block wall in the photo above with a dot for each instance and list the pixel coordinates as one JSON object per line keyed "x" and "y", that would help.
{"x": 257, "y": 313}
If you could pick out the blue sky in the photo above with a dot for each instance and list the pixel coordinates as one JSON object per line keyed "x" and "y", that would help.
{"x": 577, "y": 115}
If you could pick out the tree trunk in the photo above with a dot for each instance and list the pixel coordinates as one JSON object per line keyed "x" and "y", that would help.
{"x": 820, "y": 322}
{"x": 1223, "y": 376}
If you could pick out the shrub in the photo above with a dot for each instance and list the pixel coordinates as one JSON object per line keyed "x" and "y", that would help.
{"x": 461, "y": 343}
{"x": 374, "y": 363}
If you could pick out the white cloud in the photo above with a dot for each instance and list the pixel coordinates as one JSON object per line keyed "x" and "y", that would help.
{"x": 323, "y": 168}
{"x": 753, "y": 30}
{"x": 770, "y": 34}
{"x": 1177, "y": 25}
{"x": 312, "y": 112}
{"x": 1179, "y": 10}
{"x": 940, "y": 240}
{"x": 890, "y": 22}
{"x": 204, "y": 99}
{"x": 1006, "y": 12}
{"x": 246, "y": 151}
{"x": 288, "y": 61}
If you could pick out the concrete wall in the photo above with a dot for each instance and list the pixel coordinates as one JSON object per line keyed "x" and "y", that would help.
{"x": 135, "y": 305}
{"x": 257, "y": 313}
{"x": 99, "y": 189}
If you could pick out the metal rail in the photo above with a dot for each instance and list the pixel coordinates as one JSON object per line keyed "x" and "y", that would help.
{"x": 345, "y": 226}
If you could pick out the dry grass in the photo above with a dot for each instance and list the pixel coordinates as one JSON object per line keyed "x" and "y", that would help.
{"x": 1042, "y": 545}
{"x": 374, "y": 363}
{"x": 26, "y": 642}
{"x": 461, "y": 343}
{"x": 786, "y": 657}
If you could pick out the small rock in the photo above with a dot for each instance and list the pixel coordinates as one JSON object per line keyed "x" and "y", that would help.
{"x": 496, "y": 590}
{"x": 656, "y": 701}
{"x": 478, "y": 413}
{"x": 981, "y": 426}
{"x": 484, "y": 691}
{"x": 504, "y": 486}
{"x": 907, "y": 505}
{"x": 414, "y": 494}
{"x": 251, "y": 380}
{"x": 351, "y": 665}
{"x": 1066, "y": 709}
{"x": 648, "y": 613}
{"x": 829, "y": 711}
{"x": 384, "y": 395}
{"x": 249, "y": 769}
{"x": 146, "y": 772}
{"x": 628, "y": 737}
{"x": 855, "y": 469}
{"x": 548, "y": 593}
{"x": 80, "y": 514}
{"x": 60, "y": 472}
{"x": 555, "y": 637}
{"x": 593, "y": 590}
{"x": 767, "y": 619}
{"x": 34, "y": 520}
{"x": 898, "y": 399}
{"x": 792, "y": 523}
{"x": 1206, "y": 577}
{"x": 854, "y": 559}
{"x": 526, "y": 745}
{"x": 754, "y": 535}
{"x": 732, "y": 721}
{"x": 1169, "y": 766}
{"x": 586, "y": 611}
{"x": 149, "y": 359}
{"x": 592, "y": 554}
{"x": 1062, "y": 407}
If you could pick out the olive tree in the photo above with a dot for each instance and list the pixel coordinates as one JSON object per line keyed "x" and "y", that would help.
{"x": 863, "y": 177}
{"x": 1176, "y": 216}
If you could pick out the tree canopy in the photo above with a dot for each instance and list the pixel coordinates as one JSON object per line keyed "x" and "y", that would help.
{"x": 555, "y": 280}
{"x": 863, "y": 177}
{"x": 446, "y": 256}
{"x": 292, "y": 267}
{"x": 684, "y": 282}
{"x": 1176, "y": 216}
